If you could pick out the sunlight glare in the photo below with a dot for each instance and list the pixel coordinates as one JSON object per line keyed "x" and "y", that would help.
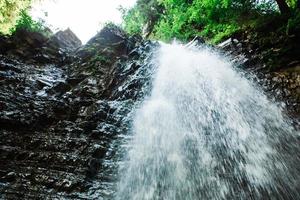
{"x": 83, "y": 17}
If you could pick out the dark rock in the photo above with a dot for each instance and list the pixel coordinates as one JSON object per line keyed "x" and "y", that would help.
{"x": 75, "y": 81}
{"x": 252, "y": 55}
{"x": 109, "y": 35}
{"x": 66, "y": 40}
{"x": 198, "y": 40}
{"x": 93, "y": 167}
{"x": 33, "y": 39}
{"x": 44, "y": 83}
{"x": 99, "y": 151}
{"x": 34, "y": 47}
{"x": 134, "y": 41}
{"x": 9, "y": 67}
{"x": 10, "y": 177}
{"x": 61, "y": 87}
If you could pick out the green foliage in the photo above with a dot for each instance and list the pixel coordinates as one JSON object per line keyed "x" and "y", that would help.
{"x": 14, "y": 15}
{"x": 133, "y": 21}
{"x": 293, "y": 25}
{"x": 292, "y": 3}
{"x": 26, "y": 22}
{"x": 218, "y": 32}
{"x": 183, "y": 19}
{"x": 10, "y": 13}
{"x": 213, "y": 19}
{"x": 145, "y": 11}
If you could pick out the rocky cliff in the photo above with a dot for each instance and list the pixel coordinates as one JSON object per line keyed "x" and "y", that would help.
{"x": 63, "y": 107}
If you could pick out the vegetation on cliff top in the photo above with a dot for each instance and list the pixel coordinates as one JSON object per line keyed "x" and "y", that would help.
{"x": 10, "y": 12}
{"x": 215, "y": 20}
{"x": 14, "y": 15}
{"x": 212, "y": 19}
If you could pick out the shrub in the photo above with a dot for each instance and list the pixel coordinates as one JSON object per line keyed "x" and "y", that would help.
{"x": 26, "y": 22}
{"x": 10, "y": 11}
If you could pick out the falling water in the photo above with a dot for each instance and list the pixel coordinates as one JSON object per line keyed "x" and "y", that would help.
{"x": 205, "y": 132}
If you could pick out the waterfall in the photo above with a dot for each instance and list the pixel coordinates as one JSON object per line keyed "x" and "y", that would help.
{"x": 206, "y": 132}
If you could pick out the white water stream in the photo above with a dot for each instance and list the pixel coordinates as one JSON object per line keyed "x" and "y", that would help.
{"x": 206, "y": 132}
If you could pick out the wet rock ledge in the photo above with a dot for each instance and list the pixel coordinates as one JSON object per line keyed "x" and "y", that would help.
{"x": 59, "y": 112}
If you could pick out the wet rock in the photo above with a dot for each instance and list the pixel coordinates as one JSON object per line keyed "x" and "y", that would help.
{"x": 197, "y": 40}
{"x": 99, "y": 151}
{"x": 10, "y": 177}
{"x": 34, "y": 47}
{"x": 66, "y": 40}
{"x": 110, "y": 41}
{"x": 74, "y": 81}
{"x": 44, "y": 83}
{"x": 93, "y": 167}
{"x": 61, "y": 87}
{"x": 280, "y": 82}
{"x": 9, "y": 67}
{"x": 109, "y": 35}
{"x": 59, "y": 120}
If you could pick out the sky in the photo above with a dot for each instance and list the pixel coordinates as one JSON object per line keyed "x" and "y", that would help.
{"x": 83, "y": 17}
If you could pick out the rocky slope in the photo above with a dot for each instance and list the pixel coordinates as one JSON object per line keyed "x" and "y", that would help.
{"x": 58, "y": 119}
{"x": 64, "y": 107}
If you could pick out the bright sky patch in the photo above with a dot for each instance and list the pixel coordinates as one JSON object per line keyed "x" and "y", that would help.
{"x": 83, "y": 17}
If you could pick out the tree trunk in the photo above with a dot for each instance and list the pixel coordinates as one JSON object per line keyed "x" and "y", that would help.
{"x": 298, "y": 4}
{"x": 283, "y": 6}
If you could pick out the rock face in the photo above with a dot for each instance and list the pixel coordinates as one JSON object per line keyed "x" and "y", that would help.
{"x": 60, "y": 121}
{"x": 66, "y": 39}
{"x": 276, "y": 69}
{"x": 64, "y": 107}
{"x": 33, "y": 47}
